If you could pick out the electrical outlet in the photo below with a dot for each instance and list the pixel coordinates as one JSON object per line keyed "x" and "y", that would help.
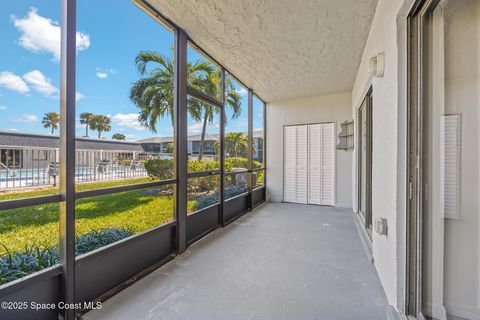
{"x": 381, "y": 226}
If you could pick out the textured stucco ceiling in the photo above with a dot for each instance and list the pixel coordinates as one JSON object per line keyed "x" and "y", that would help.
{"x": 281, "y": 48}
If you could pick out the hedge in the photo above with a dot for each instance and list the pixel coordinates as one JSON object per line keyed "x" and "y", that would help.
{"x": 16, "y": 265}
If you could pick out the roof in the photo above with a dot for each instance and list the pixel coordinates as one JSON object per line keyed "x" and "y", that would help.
{"x": 30, "y": 140}
{"x": 15, "y": 139}
{"x": 196, "y": 137}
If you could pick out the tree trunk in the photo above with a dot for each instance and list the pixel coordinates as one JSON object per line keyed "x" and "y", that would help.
{"x": 99, "y": 134}
{"x": 86, "y": 129}
{"x": 53, "y": 129}
{"x": 202, "y": 140}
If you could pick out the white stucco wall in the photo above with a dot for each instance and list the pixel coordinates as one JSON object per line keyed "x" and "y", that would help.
{"x": 388, "y": 161}
{"x": 327, "y": 108}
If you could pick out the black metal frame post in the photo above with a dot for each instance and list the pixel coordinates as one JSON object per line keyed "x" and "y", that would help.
{"x": 181, "y": 121}
{"x": 264, "y": 146}
{"x": 67, "y": 154}
{"x": 250, "y": 147}
{"x": 222, "y": 151}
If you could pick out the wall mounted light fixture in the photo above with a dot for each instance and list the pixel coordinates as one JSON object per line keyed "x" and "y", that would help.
{"x": 376, "y": 65}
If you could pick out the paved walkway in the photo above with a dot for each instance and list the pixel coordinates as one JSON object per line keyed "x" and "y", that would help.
{"x": 281, "y": 261}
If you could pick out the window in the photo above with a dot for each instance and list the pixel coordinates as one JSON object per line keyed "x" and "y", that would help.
{"x": 125, "y": 112}
{"x": 203, "y": 74}
{"x": 203, "y": 136}
{"x": 29, "y": 128}
{"x": 124, "y": 170}
{"x": 258, "y": 133}
{"x": 236, "y": 125}
{"x": 202, "y": 193}
{"x": 105, "y": 219}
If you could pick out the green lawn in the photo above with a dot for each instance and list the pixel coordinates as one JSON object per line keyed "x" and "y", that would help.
{"x": 138, "y": 210}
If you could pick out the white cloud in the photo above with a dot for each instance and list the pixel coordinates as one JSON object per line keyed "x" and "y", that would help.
{"x": 129, "y": 120}
{"x": 26, "y": 118}
{"x": 10, "y": 129}
{"x": 40, "y": 34}
{"x": 101, "y": 75}
{"x": 242, "y": 92}
{"x": 40, "y": 83}
{"x": 3, "y": 107}
{"x": 79, "y": 96}
{"x": 196, "y": 128}
{"x": 13, "y": 82}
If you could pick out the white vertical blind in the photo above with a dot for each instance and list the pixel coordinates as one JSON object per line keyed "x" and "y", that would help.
{"x": 309, "y": 164}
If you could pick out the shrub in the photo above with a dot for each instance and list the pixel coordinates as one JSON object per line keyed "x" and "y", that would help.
{"x": 211, "y": 199}
{"x": 19, "y": 264}
{"x": 15, "y": 265}
{"x": 202, "y": 165}
{"x": 161, "y": 169}
{"x": 98, "y": 238}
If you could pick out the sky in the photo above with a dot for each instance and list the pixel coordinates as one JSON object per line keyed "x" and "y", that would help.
{"x": 107, "y": 43}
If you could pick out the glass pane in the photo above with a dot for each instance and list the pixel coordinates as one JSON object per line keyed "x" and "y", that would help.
{"x": 451, "y": 174}
{"x": 235, "y": 184}
{"x": 105, "y": 219}
{"x": 203, "y": 136}
{"x": 258, "y": 133}
{"x": 202, "y": 192}
{"x": 29, "y": 97}
{"x": 236, "y": 125}
{"x": 258, "y": 179}
{"x": 203, "y": 74}
{"x": 28, "y": 240}
{"x": 125, "y": 100}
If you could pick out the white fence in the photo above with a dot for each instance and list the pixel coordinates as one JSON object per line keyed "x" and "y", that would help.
{"x": 24, "y": 168}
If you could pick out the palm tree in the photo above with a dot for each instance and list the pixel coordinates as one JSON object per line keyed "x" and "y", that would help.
{"x": 51, "y": 120}
{"x": 153, "y": 94}
{"x": 236, "y": 144}
{"x": 232, "y": 100}
{"x": 168, "y": 148}
{"x": 100, "y": 123}
{"x": 118, "y": 136}
{"x": 85, "y": 118}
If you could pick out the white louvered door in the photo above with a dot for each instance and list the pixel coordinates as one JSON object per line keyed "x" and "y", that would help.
{"x": 309, "y": 164}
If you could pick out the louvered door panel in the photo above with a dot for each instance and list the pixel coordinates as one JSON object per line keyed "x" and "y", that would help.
{"x": 301, "y": 184}
{"x": 314, "y": 164}
{"x": 289, "y": 141}
{"x": 328, "y": 164}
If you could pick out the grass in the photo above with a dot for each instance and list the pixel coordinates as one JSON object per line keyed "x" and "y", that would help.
{"x": 138, "y": 210}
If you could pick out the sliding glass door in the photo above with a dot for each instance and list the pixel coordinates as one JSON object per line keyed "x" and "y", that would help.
{"x": 444, "y": 179}
{"x": 365, "y": 161}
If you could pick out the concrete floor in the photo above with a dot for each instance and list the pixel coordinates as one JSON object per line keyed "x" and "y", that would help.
{"x": 281, "y": 261}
